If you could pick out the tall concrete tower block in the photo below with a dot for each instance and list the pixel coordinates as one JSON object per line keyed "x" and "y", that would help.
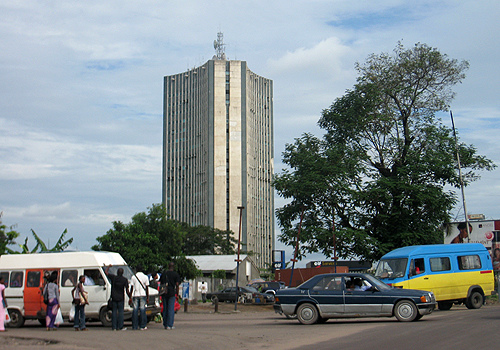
{"x": 218, "y": 152}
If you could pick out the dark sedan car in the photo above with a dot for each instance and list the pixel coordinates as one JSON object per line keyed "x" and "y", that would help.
{"x": 351, "y": 295}
{"x": 245, "y": 294}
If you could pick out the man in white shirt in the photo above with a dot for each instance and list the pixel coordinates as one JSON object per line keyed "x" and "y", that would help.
{"x": 140, "y": 297}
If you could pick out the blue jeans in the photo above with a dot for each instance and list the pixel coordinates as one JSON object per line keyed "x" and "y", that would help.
{"x": 168, "y": 311}
{"x": 117, "y": 315}
{"x": 139, "y": 320}
{"x": 79, "y": 316}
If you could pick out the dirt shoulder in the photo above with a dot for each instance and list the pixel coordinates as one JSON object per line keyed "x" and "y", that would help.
{"x": 208, "y": 307}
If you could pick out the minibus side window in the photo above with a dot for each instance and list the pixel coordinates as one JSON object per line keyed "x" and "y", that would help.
{"x": 5, "y": 276}
{"x": 16, "y": 279}
{"x": 69, "y": 278}
{"x": 440, "y": 264}
{"x": 417, "y": 266}
{"x": 33, "y": 279}
{"x": 93, "y": 277}
{"x": 469, "y": 262}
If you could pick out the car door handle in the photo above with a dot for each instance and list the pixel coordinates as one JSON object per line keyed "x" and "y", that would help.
{"x": 426, "y": 278}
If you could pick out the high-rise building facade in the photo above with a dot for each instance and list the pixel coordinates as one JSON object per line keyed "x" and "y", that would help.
{"x": 218, "y": 151}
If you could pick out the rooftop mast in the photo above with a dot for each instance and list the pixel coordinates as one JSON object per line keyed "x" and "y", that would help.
{"x": 219, "y": 47}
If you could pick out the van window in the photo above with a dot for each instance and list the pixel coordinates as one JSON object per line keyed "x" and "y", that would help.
{"x": 69, "y": 278}
{"x": 5, "y": 276}
{"x": 417, "y": 266}
{"x": 16, "y": 279}
{"x": 440, "y": 264}
{"x": 469, "y": 262}
{"x": 93, "y": 277}
{"x": 33, "y": 279}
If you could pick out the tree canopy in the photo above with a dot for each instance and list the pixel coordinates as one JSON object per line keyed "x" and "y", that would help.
{"x": 378, "y": 173}
{"x": 7, "y": 236}
{"x": 151, "y": 240}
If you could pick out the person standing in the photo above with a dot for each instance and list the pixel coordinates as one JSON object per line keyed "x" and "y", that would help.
{"x": 203, "y": 289}
{"x": 173, "y": 279}
{"x": 119, "y": 285}
{"x": 52, "y": 291}
{"x": 3, "y": 305}
{"x": 140, "y": 298}
{"x": 78, "y": 294}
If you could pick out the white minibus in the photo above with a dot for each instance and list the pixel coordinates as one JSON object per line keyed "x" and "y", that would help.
{"x": 25, "y": 276}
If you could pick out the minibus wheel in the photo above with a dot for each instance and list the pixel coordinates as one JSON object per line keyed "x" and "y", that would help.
{"x": 16, "y": 319}
{"x": 445, "y": 305}
{"x": 474, "y": 301}
{"x": 105, "y": 316}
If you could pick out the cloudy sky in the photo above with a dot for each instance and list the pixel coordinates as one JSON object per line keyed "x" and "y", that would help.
{"x": 81, "y": 90}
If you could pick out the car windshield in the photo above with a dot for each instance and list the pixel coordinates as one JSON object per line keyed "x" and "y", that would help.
{"x": 377, "y": 283}
{"x": 250, "y": 289}
{"x": 391, "y": 268}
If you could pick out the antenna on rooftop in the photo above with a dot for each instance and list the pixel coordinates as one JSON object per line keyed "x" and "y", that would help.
{"x": 219, "y": 47}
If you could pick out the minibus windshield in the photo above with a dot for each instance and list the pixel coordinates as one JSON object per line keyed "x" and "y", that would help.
{"x": 127, "y": 272}
{"x": 391, "y": 268}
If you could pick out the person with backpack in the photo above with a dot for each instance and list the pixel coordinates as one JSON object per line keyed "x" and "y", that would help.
{"x": 171, "y": 280}
{"x": 51, "y": 294}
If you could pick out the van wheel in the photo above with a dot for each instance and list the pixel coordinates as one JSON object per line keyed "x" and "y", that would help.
{"x": 445, "y": 305}
{"x": 105, "y": 316}
{"x": 16, "y": 319}
{"x": 405, "y": 311}
{"x": 474, "y": 301}
{"x": 42, "y": 321}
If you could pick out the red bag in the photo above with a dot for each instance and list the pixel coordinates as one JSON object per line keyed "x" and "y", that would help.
{"x": 177, "y": 306}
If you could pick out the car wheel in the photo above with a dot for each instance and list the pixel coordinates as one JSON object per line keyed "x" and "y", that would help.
{"x": 213, "y": 298}
{"x": 307, "y": 313}
{"x": 16, "y": 319}
{"x": 445, "y": 305}
{"x": 105, "y": 316}
{"x": 322, "y": 320}
{"x": 474, "y": 301}
{"x": 405, "y": 311}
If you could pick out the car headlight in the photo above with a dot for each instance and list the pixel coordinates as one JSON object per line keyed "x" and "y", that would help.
{"x": 426, "y": 298}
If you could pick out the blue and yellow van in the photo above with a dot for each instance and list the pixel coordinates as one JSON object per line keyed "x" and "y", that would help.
{"x": 455, "y": 273}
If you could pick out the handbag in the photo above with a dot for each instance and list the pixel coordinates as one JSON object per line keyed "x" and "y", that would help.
{"x": 7, "y": 316}
{"x": 84, "y": 298}
{"x": 46, "y": 294}
{"x": 110, "y": 304}
{"x": 163, "y": 288}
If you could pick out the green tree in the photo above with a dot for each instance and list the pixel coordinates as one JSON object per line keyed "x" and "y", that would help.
{"x": 206, "y": 240}
{"x": 40, "y": 246}
{"x": 379, "y": 171}
{"x": 149, "y": 240}
{"x": 7, "y": 236}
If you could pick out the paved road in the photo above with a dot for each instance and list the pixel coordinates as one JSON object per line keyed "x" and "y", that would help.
{"x": 458, "y": 328}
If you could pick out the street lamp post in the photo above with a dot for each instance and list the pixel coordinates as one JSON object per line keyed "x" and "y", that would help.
{"x": 240, "y": 208}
